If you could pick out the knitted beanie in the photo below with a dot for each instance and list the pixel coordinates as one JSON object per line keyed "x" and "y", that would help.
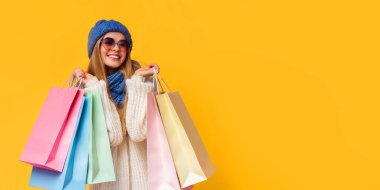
{"x": 102, "y": 27}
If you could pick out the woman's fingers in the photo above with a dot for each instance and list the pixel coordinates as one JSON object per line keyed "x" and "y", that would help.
{"x": 78, "y": 72}
{"x": 146, "y": 72}
{"x": 153, "y": 66}
{"x": 80, "y": 75}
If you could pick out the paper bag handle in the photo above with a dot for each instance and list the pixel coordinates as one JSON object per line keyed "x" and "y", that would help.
{"x": 158, "y": 82}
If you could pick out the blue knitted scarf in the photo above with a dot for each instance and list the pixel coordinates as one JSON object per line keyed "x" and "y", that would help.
{"x": 116, "y": 84}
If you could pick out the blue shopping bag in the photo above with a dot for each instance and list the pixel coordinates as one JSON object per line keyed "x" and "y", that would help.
{"x": 74, "y": 174}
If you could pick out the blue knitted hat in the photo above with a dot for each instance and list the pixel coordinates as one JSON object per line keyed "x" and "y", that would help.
{"x": 102, "y": 27}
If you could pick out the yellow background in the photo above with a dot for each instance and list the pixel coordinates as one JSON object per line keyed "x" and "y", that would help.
{"x": 285, "y": 94}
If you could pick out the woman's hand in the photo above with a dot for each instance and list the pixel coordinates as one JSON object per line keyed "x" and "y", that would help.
{"x": 147, "y": 71}
{"x": 79, "y": 73}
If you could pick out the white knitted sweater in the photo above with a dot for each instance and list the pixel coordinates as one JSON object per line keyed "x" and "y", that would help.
{"x": 128, "y": 151}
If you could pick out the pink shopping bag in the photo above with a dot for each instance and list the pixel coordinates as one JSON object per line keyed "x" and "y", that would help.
{"x": 48, "y": 144}
{"x": 161, "y": 169}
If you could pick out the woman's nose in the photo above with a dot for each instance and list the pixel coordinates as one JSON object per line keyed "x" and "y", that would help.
{"x": 116, "y": 47}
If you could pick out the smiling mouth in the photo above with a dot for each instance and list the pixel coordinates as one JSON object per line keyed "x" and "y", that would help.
{"x": 114, "y": 57}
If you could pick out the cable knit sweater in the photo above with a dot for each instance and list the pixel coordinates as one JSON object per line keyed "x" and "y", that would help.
{"x": 128, "y": 151}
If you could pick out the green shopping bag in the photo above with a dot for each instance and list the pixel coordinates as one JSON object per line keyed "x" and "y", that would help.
{"x": 100, "y": 164}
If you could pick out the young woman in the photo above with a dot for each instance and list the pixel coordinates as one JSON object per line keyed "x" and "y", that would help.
{"x": 123, "y": 86}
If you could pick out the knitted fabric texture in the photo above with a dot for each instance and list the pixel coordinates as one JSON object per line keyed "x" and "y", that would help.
{"x": 128, "y": 150}
{"x": 102, "y": 27}
{"x": 116, "y": 84}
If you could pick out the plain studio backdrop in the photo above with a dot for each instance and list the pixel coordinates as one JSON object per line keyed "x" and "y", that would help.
{"x": 285, "y": 94}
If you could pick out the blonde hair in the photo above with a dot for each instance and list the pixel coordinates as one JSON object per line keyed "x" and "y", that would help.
{"x": 97, "y": 68}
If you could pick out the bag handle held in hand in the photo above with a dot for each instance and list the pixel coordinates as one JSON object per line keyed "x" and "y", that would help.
{"x": 73, "y": 81}
{"x": 158, "y": 82}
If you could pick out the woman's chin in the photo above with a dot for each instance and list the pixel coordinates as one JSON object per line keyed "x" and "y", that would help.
{"x": 112, "y": 64}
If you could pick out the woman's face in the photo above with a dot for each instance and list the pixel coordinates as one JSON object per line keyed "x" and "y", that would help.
{"x": 113, "y": 56}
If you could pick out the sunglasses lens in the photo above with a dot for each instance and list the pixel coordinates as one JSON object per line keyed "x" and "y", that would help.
{"x": 123, "y": 44}
{"x": 108, "y": 43}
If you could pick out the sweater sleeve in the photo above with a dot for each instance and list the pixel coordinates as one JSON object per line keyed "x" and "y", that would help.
{"x": 111, "y": 115}
{"x": 137, "y": 88}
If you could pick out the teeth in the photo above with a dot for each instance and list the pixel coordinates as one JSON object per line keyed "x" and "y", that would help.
{"x": 114, "y": 56}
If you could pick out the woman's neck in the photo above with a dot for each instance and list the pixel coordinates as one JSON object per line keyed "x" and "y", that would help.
{"x": 110, "y": 71}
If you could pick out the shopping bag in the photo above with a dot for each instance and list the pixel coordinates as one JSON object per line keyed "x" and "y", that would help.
{"x": 78, "y": 163}
{"x": 191, "y": 159}
{"x": 100, "y": 168}
{"x": 74, "y": 174}
{"x": 49, "y": 141}
{"x": 161, "y": 170}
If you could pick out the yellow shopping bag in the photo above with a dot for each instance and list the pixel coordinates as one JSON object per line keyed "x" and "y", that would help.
{"x": 192, "y": 162}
